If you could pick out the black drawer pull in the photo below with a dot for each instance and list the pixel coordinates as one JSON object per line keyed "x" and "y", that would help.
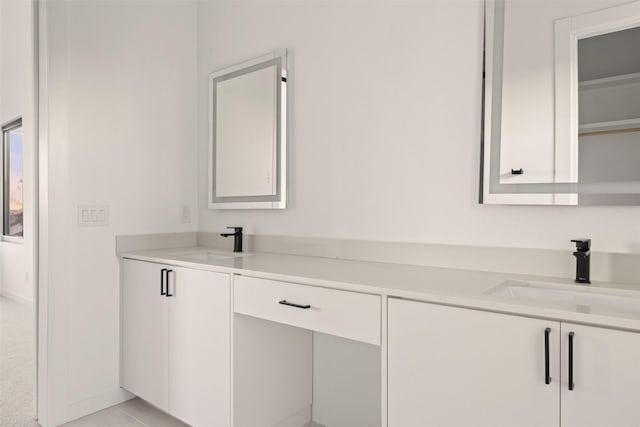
{"x": 290, "y": 304}
{"x": 517, "y": 171}
{"x": 162, "y": 292}
{"x": 570, "y": 360}
{"x": 168, "y": 294}
{"x": 547, "y": 377}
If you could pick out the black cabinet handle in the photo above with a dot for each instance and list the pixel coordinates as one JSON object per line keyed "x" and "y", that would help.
{"x": 517, "y": 171}
{"x": 168, "y": 294}
{"x": 571, "y": 360}
{"x": 162, "y": 292}
{"x": 547, "y": 377}
{"x": 290, "y": 304}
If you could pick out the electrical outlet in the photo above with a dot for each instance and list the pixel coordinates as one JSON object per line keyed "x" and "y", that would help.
{"x": 186, "y": 214}
{"x": 93, "y": 215}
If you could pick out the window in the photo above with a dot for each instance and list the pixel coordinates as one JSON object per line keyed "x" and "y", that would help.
{"x": 12, "y": 197}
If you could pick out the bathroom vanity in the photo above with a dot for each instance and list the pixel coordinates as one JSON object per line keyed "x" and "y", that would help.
{"x": 216, "y": 339}
{"x": 174, "y": 320}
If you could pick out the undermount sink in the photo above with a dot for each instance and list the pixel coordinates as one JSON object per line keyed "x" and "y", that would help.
{"x": 207, "y": 256}
{"x": 584, "y": 298}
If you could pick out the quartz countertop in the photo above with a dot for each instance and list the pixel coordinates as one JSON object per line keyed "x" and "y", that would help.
{"x": 456, "y": 287}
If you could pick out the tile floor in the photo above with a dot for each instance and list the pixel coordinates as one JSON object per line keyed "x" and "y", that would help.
{"x": 136, "y": 413}
{"x": 132, "y": 413}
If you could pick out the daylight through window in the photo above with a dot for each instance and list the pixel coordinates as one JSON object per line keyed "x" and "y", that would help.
{"x": 12, "y": 195}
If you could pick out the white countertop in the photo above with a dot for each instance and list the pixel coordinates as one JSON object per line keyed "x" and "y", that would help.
{"x": 464, "y": 288}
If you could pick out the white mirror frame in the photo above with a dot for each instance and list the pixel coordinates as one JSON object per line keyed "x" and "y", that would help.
{"x": 279, "y": 199}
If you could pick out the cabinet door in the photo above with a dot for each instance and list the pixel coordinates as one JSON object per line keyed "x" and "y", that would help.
{"x": 526, "y": 123}
{"x": 144, "y": 332}
{"x": 457, "y": 367}
{"x": 199, "y": 347}
{"x": 606, "y": 377}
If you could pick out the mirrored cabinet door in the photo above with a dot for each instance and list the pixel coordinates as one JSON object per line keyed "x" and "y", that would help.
{"x": 247, "y": 141}
{"x": 561, "y": 122}
{"x": 526, "y": 123}
{"x": 609, "y": 109}
{"x": 245, "y": 134}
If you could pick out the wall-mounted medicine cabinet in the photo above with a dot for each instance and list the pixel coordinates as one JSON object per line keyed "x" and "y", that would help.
{"x": 247, "y": 134}
{"x": 561, "y": 111}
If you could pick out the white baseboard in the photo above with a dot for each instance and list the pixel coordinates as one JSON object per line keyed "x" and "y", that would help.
{"x": 94, "y": 404}
{"x": 15, "y": 297}
{"x": 301, "y": 418}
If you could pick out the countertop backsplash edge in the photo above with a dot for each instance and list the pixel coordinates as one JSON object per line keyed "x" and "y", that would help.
{"x": 606, "y": 267}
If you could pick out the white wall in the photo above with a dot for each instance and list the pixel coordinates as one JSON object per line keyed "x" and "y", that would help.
{"x": 16, "y": 100}
{"x": 121, "y": 132}
{"x": 385, "y": 127}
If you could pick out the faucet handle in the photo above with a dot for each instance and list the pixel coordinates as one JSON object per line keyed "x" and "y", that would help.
{"x": 582, "y": 244}
{"x": 236, "y": 229}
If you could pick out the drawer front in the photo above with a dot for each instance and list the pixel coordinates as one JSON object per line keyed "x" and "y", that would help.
{"x": 342, "y": 313}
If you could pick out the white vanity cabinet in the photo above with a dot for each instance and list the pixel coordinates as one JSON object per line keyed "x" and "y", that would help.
{"x": 305, "y": 354}
{"x": 345, "y": 314}
{"x": 606, "y": 377}
{"x": 451, "y": 366}
{"x": 457, "y": 367}
{"x": 175, "y": 340}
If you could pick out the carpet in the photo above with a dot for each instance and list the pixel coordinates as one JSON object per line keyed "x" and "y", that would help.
{"x": 17, "y": 364}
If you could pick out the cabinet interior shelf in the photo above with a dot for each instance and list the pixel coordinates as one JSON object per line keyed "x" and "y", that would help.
{"x": 614, "y": 126}
{"x": 609, "y": 81}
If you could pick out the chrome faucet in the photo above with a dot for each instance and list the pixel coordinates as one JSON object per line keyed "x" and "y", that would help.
{"x": 237, "y": 238}
{"x": 582, "y": 254}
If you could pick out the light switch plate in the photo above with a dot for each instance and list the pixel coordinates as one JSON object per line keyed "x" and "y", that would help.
{"x": 93, "y": 215}
{"x": 185, "y": 214}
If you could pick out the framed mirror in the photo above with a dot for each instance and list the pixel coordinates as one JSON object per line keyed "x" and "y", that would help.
{"x": 247, "y": 134}
{"x": 561, "y": 103}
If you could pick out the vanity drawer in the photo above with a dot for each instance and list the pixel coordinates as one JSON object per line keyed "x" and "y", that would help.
{"x": 345, "y": 314}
